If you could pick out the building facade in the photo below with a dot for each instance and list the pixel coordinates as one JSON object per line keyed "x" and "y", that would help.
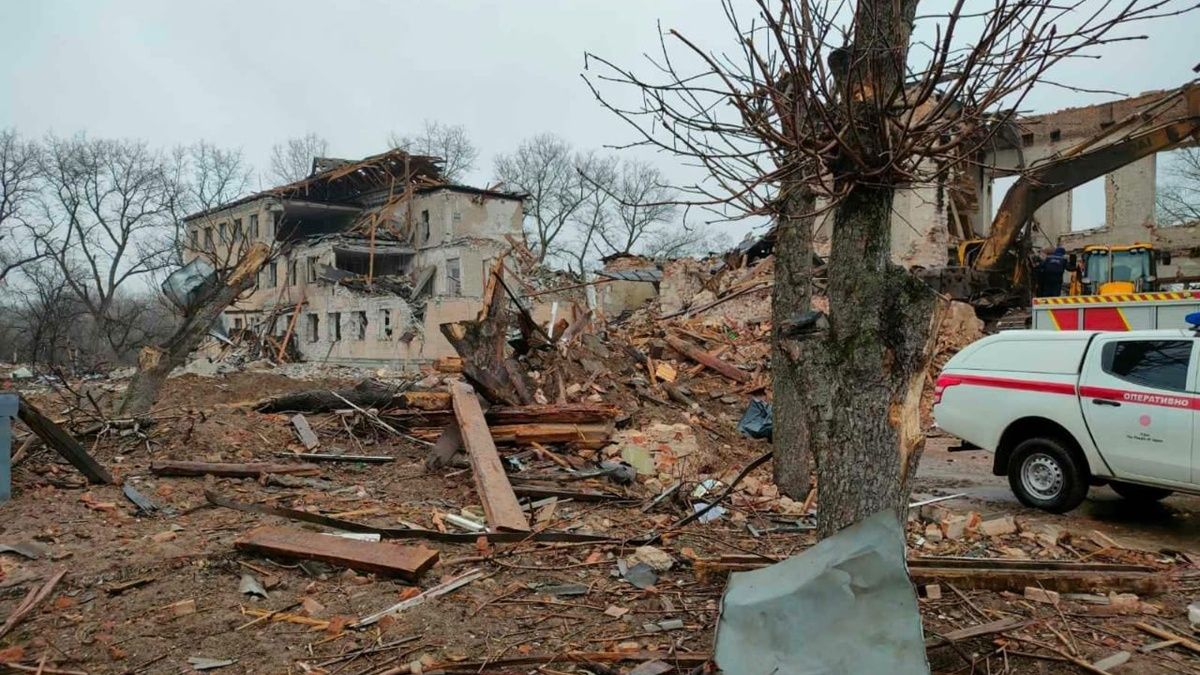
{"x": 369, "y": 259}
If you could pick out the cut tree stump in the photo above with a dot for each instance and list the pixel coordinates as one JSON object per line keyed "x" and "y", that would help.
{"x": 483, "y": 346}
{"x": 62, "y": 442}
{"x": 406, "y": 562}
{"x": 230, "y": 469}
{"x": 499, "y": 502}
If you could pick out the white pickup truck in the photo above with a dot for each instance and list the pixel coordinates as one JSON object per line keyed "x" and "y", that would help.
{"x": 1066, "y": 410}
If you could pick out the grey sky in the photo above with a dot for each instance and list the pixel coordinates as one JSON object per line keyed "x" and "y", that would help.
{"x": 251, "y": 73}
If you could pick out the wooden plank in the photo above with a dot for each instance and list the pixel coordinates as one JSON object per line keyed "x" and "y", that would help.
{"x": 499, "y": 502}
{"x": 977, "y": 631}
{"x": 230, "y": 469}
{"x": 406, "y": 562}
{"x": 62, "y": 442}
{"x": 541, "y": 492}
{"x": 707, "y": 360}
{"x": 305, "y": 432}
{"x": 329, "y": 457}
{"x": 569, "y": 413}
{"x": 1190, "y": 645}
{"x": 425, "y": 400}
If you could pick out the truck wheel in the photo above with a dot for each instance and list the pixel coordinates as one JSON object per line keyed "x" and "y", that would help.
{"x": 1139, "y": 493}
{"x": 1044, "y": 475}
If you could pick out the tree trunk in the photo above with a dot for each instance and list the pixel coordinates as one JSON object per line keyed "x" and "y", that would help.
{"x": 791, "y": 371}
{"x": 155, "y": 363}
{"x": 880, "y": 341}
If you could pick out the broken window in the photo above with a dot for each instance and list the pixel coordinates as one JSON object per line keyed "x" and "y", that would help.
{"x": 291, "y": 273}
{"x": 269, "y": 276}
{"x": 208, "y": 239}
{"x": 254, "y": 226}
{"x": 312, "y": 269}
{"x": 335, "y": 326}
{"x": 237, "y": 323}
{"x": 237, "y": 229}
{"x": 360, "y": 325}
{"x": 222, "y": 234}
{"x": 314, "y": 327}
{"x": 453, "y": 277}
{"x": 425, "y": 226}
{"x": 195, "y": 236}
{"x": 276, "y": 216}
{"x": 385, "y": 324}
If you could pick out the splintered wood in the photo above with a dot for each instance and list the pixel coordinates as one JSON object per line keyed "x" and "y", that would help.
{"x": 406, "y": 562}
{"x": 499, "y": 502}
{"x": 707, "y": 360}
{"x": 230, "y": 469}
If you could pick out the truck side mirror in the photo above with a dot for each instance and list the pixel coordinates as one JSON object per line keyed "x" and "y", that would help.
{"x": 1072, "y": 261}
{"x": 1164, "y": 257}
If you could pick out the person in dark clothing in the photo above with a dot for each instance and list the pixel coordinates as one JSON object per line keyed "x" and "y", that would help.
{"x": 1050, "y": 273}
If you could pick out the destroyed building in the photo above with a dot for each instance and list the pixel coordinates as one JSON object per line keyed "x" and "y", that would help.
{"x": 929, "y": 221}
{"x": 371, "y": 256}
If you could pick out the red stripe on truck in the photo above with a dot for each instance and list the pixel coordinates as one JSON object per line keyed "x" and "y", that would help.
{"x": 1122, "y": 395}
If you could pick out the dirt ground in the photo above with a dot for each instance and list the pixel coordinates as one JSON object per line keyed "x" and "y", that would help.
{"x": 143, "y": 594}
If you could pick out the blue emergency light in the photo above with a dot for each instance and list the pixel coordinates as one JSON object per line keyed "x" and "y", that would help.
{"x": 1193, "y": 320}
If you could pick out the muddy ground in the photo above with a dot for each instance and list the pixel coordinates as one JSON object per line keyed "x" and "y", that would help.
{"x": 143, "y": 594}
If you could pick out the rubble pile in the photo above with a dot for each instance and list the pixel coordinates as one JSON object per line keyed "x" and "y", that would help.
{"x": 567, "y": 494}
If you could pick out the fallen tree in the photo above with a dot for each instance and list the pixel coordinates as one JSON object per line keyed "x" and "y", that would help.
{"x": 156, "y": 362}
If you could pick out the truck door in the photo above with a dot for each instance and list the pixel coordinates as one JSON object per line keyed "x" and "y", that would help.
{"x": 1138, "y": 405}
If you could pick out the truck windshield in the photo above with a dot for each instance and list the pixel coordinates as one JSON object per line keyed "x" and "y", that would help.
{"x": 1126, "y": 266}
{"x": 1130, "y": 265}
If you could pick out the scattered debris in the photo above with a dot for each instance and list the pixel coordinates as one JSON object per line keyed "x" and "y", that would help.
{"x": 406, "y": 562}
{"x": 845, "y": 605}
{"x": 231, "y": 470}
{"x": 249, "y": 585}
{"x": 305, "y": 432}
{"x": 499, "y": 501}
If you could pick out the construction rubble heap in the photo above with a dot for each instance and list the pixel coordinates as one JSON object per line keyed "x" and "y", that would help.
{"x": 569, "y": 496}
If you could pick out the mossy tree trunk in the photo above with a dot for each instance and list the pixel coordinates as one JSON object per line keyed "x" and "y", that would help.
{"x": 862, "y": 378}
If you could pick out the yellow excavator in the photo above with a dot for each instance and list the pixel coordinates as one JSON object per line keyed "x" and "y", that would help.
{"x": 1117, "y": 269}
{"x": 994, "y": 269}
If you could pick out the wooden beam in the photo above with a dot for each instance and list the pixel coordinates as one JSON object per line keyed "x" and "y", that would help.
{"x": 230, "y": 469}
{"x": 1190, "y": 645}
{"x": 406, "y": 562}
{"x": 707, "y": 360}
{"x": 499, "y": 502}
{"x": 291, "y": 327}
{"x": 62, "y": 442}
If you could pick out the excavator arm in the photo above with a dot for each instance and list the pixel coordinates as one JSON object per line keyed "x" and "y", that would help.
{"x": 1043, "y": 183}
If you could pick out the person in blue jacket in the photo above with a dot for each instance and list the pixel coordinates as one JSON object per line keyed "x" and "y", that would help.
{"x": 1050, "y": 272}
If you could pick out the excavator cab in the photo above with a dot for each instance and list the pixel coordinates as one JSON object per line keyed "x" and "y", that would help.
{"x": 1113, "y": 270}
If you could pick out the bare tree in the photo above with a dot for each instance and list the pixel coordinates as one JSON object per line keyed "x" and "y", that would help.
{"x": 642, "y": 202}
{"x": 448, "y": 141}
{"x": 666, "y": 243}
{"x": 292, "y": 159}
{"x": 207, "y": 177}
{"x": 18, "y": 188}
{"x": 547, "y": 169}
{"x": 831, "y": 107}
{"x": 106, "y": 220}
{"x": 1178, "y": 197}
{"x": 595, "y": 214}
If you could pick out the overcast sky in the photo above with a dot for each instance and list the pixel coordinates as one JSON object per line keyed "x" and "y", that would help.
{"x": 248, "y": 73}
